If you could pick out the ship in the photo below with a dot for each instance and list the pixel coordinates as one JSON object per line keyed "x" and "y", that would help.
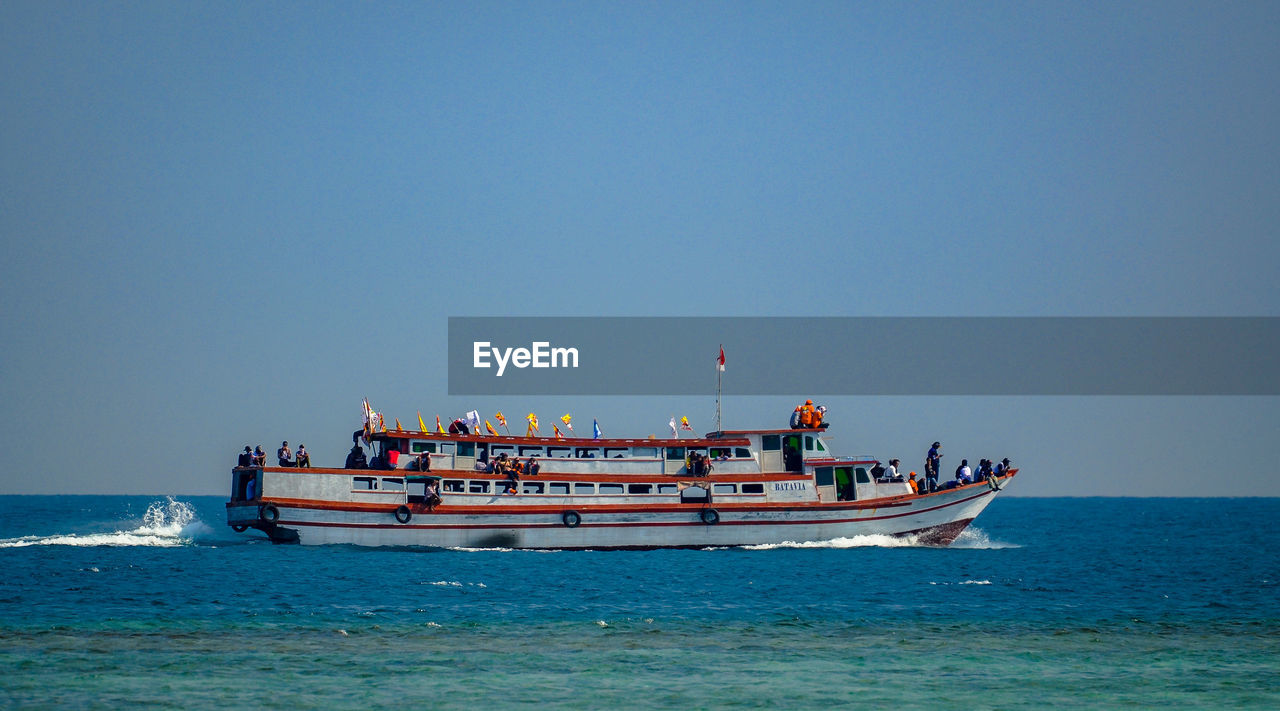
{"x": 725, "y": 488}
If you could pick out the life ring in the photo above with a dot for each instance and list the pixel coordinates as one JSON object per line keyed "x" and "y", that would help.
{"x": 238, "y": 528}
{"x": 269, "y": 513}
{"x": 403, "y": 514}
{"x": 571, "y": 519}
{"x": 710, "y": 516}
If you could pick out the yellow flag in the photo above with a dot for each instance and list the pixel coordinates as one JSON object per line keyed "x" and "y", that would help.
{"x": 557, "y": 431}
{"x": 398, "y": 427}
{"x": 489, "y": 427}
{"x": 439, "y": 429}
{"x": 501, "y": 420}
{"x": 422, "y": 426}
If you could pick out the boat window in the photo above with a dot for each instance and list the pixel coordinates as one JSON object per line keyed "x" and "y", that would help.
{"x": 584, "y": 488}
{"x": 863, "y": 477}
{"x": 528, "y": 450}
{"x": 808, "y": 443}
{"x": 586, "y": 453}
{"x": 500, "y": 449}
{"x": 668, "y": 488}
{"x": 466, "y": 449}
{"x": 558, "y": 452}
{"x": 615, "y": 453}
{"x": 532, "y": 487}
{"x": 606, "y": 489}
{"x": 825, "y": 476}
{"x": 675, "y": 453}
{"x": 418, "y": 447}
{"x": 725, "y": 489}
{"x": 771, "y": 443}
{"x": 558, "y": 487}
{"x": 393, "y": 484}
{"x": 753, "y": 488}
{"x": 478, "y": 487}
{"x": 364, "y": 483}
{"x": 644, "y": 452}
{"x": 446, "y": 447}
{"x": 454, "y": 485}
{"x": 717, "y": 452}
{"x": 742, "y": 452}
{"x": 693, "y": 451}
{"x": 640, "y": 488}
{"x": 821, "y": 447}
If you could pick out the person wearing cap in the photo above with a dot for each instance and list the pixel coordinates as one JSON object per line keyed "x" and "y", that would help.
{"x": 915, "y": 487}
{"x": 246, "y": 457}
{"x": 1003, "y": 467}
{"x": 304, "y": 459}
{"x": 284, "y": 455}
{"x": 932, "y": 464}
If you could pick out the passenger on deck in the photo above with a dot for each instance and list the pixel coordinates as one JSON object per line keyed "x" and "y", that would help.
{"x": 806, "y": 415}
{"x": 932, "y": 463}
{"x": 532, "y": 466}
{"x": 915, "y": 486}
{"x": 891, "y": 473}
{"x": 795, "y": 419}
{"x": 984, "y": 470}
{"x": 424, "y": 462}
{"x": 246, "y": 457}
{"x": 433, "y": 495}
{"x": 303, "y": 457}
{"x": 1002, "y": 468}
{"x": 355, "y": 458}
{"x": 819, "y": 412}
{"x": 877, "y": 472}
{"x": 284, "y": 455}
{"x": 963, "y": 474}
{"x": 259, "y": 457}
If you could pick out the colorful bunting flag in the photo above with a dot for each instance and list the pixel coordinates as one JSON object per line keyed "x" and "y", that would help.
{"x": 684, "y": 424}
{"x": 490, "y": 429}
{"x": 422, "y": 426}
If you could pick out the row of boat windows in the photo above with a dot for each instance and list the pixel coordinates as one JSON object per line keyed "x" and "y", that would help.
{"x": 469, "y": 449}
{"x": 551, "y": 488}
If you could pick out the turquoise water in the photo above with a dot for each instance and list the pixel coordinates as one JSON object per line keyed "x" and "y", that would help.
{"x": 108, "y": 601}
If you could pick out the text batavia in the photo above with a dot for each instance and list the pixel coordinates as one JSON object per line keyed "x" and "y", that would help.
{"x": 540, "y": 355}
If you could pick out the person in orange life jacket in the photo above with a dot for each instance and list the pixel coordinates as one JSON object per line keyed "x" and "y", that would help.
{"x": 806, "y": 414}
{"x": 915, "y": 487}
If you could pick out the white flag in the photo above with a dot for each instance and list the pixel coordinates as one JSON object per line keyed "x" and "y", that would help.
{"x": 672, "y": 424}
{"x": 473, "y": 419}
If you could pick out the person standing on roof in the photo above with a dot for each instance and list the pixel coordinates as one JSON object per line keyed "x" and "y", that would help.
{"x": 932, "y": 463}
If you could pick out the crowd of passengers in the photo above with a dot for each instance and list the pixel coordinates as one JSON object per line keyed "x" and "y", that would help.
{"x": 257, "y": 458}
{"x": 933, "y": 460}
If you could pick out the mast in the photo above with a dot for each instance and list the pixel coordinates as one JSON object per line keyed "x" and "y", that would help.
{"x": 719, "y": 373}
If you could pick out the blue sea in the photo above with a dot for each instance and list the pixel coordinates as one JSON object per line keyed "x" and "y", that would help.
{"x": 108, "y": 602}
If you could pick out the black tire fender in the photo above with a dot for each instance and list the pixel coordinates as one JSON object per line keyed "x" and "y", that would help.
{"x": 710, "y": 516}
{"x": 239, "y": 528}
{"x": 269, "y": 513}
{"x": 403, "y": 514}
{"x": 571, "y": 519}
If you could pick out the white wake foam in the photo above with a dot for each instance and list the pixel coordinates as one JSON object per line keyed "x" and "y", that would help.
{"x": 977, "y": 538}
{"x": 867, "y": 541}
{"x": 166, "y": 523}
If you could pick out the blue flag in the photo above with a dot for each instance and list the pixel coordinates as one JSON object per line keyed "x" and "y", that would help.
{"x": 595, "y": 430}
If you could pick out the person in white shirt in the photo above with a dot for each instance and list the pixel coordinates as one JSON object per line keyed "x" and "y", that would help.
{"x": 891, "y": 472}
{"x": 964, "y": 475}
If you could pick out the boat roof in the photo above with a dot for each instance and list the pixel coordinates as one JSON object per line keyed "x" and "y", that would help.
{"x": 708, "y": 441}
{"x": 745, "y": 433}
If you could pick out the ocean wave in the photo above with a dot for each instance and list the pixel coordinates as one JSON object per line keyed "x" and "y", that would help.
{"x": 165, "y": 524}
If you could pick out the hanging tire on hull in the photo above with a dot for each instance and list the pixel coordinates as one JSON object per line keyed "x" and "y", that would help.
{"x": 710, "y": 516}
{"x": 571, "y": 519}
{"x": 403, "y": 514}
{"x": 269, "y": 513}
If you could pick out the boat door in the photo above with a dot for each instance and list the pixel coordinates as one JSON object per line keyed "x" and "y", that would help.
{"x": 792, "y": 453}
{"x": 771, "y": 453}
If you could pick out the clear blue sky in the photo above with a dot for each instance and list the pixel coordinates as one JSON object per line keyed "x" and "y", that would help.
{"x": 226, "y": 223}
